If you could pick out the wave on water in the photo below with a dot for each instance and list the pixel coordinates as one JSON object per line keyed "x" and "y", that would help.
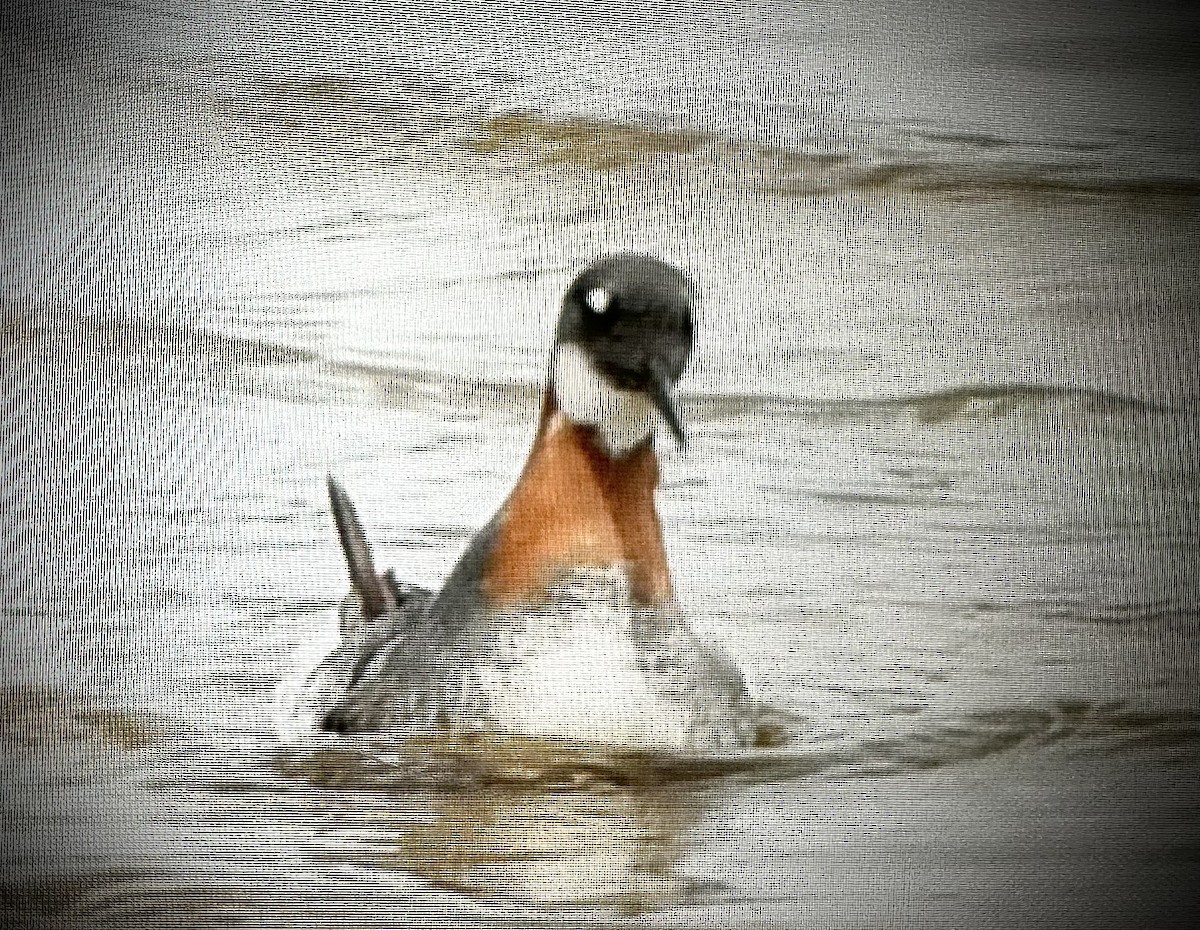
{"x": 278, "y": 369}
{"x": 971, "y": 402}
{"x": 941, "y": 741}
{"x": 135, "y": 337}
{"x": 950, "y": 163}
{"x": 352, "y": 124}
{"x": 394, "y": 385}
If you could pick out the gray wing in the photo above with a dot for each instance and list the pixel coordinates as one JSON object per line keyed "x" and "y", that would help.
{"x": 379, "y": 611}
{"x": 462, "y": 599}
{"x": 408, "y": 647}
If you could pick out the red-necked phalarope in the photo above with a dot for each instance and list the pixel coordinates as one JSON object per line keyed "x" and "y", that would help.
{"x": 559, "y": 621}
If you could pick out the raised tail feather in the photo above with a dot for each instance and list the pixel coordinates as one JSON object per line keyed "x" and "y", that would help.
{"x": 373, "y": 589}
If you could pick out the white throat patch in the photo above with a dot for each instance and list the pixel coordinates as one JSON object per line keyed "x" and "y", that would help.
{"x": 623, "y": 419}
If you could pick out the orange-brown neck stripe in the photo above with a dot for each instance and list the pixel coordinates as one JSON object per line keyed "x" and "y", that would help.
{"x": 576, "y": 506}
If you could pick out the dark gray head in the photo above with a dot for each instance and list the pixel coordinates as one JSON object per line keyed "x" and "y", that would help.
{"x": 627, "y": 323}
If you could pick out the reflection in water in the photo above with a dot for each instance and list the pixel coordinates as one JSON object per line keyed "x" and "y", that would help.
{"x": 32, "y": 717}
{"x": 594, "y": 843}
{"x": 526, "y": 820}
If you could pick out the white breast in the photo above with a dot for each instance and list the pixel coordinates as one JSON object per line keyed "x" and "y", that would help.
{"x": 579, "y": 671}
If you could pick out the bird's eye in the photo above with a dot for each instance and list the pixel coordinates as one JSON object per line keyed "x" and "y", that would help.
{"x": 598, "y": 300}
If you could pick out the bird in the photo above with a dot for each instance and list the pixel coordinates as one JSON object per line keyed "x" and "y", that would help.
{"x": 559, "y": 621}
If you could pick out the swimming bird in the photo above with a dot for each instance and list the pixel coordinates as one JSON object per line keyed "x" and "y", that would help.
{"x": 559, "y": 620}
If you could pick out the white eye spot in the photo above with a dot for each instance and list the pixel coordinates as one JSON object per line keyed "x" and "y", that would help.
{"x": 597, "y": 299}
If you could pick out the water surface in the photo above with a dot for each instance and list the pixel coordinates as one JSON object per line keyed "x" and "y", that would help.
{"x": 940, "y": 500}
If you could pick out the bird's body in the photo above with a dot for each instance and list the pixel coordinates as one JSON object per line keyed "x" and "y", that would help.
{"x": 559, "y": 620}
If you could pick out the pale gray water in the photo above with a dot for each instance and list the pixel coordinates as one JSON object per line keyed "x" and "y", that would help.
{"x": 941, "y": 498}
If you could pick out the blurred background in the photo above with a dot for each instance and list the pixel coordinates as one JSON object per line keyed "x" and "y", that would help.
{"x": 941, "y": 498}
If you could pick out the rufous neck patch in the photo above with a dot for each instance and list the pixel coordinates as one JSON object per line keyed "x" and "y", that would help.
{"x": 578, "y": 506}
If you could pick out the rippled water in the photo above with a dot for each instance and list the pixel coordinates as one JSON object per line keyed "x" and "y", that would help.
{"x": 940, "y": 499}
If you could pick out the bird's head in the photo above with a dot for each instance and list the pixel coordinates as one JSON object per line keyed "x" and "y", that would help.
{"x": 624, "y": 338}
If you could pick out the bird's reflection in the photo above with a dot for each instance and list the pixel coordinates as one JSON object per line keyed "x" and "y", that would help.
{"x": 540, "y": 822}
{"x": 583, "y": 843}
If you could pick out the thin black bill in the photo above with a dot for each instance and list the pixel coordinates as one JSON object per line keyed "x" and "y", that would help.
{"x": 660, "y": 393}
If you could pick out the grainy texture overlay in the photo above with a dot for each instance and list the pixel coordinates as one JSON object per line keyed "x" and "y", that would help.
{"x": 940, "y": 500}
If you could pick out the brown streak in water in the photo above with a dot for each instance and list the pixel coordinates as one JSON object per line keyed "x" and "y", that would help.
{"x": 575, "y": 506}
{"x": 40, "y": 715}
